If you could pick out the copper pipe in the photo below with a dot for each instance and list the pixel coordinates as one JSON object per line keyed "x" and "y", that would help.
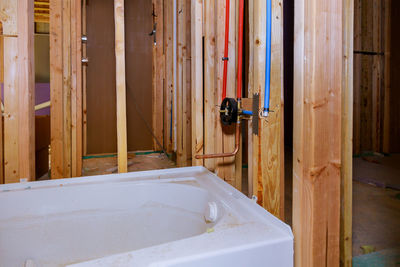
{"x": 225, "y": 155}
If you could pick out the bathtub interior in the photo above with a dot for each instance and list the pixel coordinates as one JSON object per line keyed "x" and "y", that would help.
{"x": 70, "y": 224}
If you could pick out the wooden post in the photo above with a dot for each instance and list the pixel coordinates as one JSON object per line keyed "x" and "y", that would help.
{"x": 11, "y": 103}
{"x": 197, "y": 80}
{"x": 26, "y": 89}
{"x": 318, "y": 60}
{"x": 347, "y": 136}
{"x": 120, "y": 85}
{"x": 169, "y": 72}
{"x": 357, "y": 79}
{"x": 158, "y": 74}
{"x": 267, "y": 144}
{"x": 181, "y": 159}
{"x": 67, "y": 77}
{"x": 56, "y": 89}
{"x": 386, "y": 73}
{"x": 19, "y": 123}
{"x": 1, "y": 100}
{"x": 210, "y": 111}
{"x": 76, "y": 89}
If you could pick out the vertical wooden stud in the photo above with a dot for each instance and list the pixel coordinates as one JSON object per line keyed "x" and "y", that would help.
{"x": 347, "y": 136}
{"x": 26, "y": 89}
{"x": 11, "y": 105}
{"x": 56, "y": 89}
{"x": 197, "y": 80}
{"x": 120, "y": 85}
{"x": 318, "y": 60}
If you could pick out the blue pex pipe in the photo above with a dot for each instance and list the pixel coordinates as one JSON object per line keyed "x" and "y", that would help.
{"x": 268, "y": 60}
{"x": 246, "y": 112}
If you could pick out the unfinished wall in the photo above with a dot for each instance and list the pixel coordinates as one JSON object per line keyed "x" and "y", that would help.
{"x": 370, "y": 72}
{"x": 101, "y": 93}
{"x": 394, "y": 95}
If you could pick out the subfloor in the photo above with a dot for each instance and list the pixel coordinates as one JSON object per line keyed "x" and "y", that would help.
{"x": 139, "y": 161}
{"x": 376, "y": 201}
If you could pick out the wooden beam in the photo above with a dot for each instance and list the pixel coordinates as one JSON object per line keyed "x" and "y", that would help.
{"x": 67, "y": 77}
{"x": 26, "y": 90}
{"x": 346, "y": 215}
{"x": 210, "y": 111}
{"x": 251, "y": 90}
{"x": 188, "y": 80}
{"x": 1, "y": 102}
{"x": 11, "y": 103}
{"x": 357, "y": 79}
{"x": 120, "y": 85}
{"x": 8, "y": 17}
{"x": 19, "y": 127}
{"x": 56, "y": 89}
{"x": 270, "y": 179}
{"x": 181, "y": 159}
{"x": 76, "y": 88}
{"x": 267, "y": 144}
{"x": 386, "y": 73}
{"x": 158, "y": 74}
{"x": 169, "y": 72}
{"x": 197, "y": 80}
{"x": 259, "y": 19}
{"x": 84, "y": 83}
{"x": 227, "y": 166}
{"x": 318, "y": 60}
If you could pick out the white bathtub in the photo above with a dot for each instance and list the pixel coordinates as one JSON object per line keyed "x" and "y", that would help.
{"x": 175, "y": 217}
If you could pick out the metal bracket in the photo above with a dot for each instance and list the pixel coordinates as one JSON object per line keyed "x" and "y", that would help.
{"x": 154, "y": 33}
{"x": 256, "y": 103}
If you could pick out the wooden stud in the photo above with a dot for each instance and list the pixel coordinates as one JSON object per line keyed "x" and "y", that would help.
{"x": 66, "y": 46}
{"x": 26, "y": 90}
{"x": 377, "y": 81}
{"x": 270, "y": 160}
{"x": 386, "y": 73}
{"x": 258, "y": 83}
{"x": 197, "y": 80}
{"x": 357, "y": 79}
{"x": 56, "y": 89}
{"x": 76, "y": 89}
{"x": 169, "y": 73}
{"x": 251, "y": 90}
{"x": 318, "y": 75}
{"x": 11, "y": 103}
{"x": 347, "y": 137}
{"x": 181, "y": 82}
{"x": 158, "y": 74}
{"x": 84, "y": 79}
{"x": 188, "y": 91}
{"x": 1, "y": 102}
{"x": 210, "y": 111}
{"x": 120, "y": 85}
{"x": 225, "y": 171}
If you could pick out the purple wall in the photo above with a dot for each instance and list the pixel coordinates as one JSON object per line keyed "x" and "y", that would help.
{"x": 42, "y": 94}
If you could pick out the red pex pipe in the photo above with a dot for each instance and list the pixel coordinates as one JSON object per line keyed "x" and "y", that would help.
{"x": 226, "y": 50}
{"x": 240, "y": 52}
